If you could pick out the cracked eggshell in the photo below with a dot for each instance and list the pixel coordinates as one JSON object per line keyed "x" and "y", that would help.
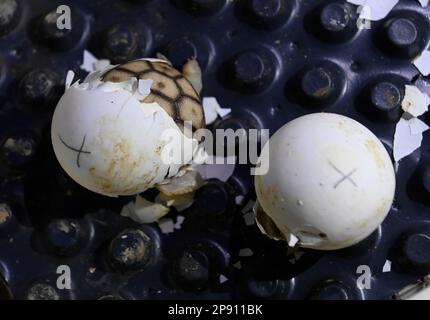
{"x": 330, "y": 181}
{"x": 108, "y": 141}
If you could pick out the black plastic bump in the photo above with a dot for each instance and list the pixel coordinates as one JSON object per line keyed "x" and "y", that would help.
{"x": 121, "y": 43}
{"x": 269, "y": 14}
{"x": 129, "y": 250}
{"x": 179, "y": 51}
{"x": 266, "y": 289}
{"x": 196, "y": 266}
{"x": 241, "y": 123}
{"x": 386, "y": 96}
{"x": 42, "y": 291}
{"x": 38, "y": 89}
{"x": 17, "y": 150}
{"x": 382, "y": 97}
{"x": 412, "y": 252}
{"x": 46, "y": 31}
{"x": 251, "y": 71}
{"x": 63, "y": 236}
{"x": 317, "y": 85}
{"x": 265, "y": 15}
{"x": 404, "y": 34}
{"x": 332, "y": 290}
{"x": 215, "y": 201}
{"x": 192, "y": 269}
{"x": 335, "y": 21}
{"x": 10, "y": 12}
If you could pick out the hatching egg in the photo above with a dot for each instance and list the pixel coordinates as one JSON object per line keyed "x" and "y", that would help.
{"x": 111, "y": 141}
{"x": 330, "y": 182}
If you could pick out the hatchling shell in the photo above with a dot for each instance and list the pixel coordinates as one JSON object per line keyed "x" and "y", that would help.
{"x": 170, "y": 89}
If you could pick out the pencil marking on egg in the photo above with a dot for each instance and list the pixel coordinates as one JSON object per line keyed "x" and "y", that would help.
{"x": 345, "y": 177}
{"x": 79, "y": 151}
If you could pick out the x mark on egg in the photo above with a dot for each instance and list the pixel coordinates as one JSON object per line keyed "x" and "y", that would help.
{"x": 79, "y": 151}
{"x": 345, "y": 177}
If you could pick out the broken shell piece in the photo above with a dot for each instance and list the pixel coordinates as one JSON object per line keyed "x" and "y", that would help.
{"x": 222, "y": 279}
{"x": 144, "y": 87}
{"x": 179, "y": 202}
{"x": 266, "y": 224}
{"x": 189, "y": 182}
{"x": 387, "y": 266}
{"x": 212, "y": 109}
{"x": 166, "y": 226}
{"x": 415, "y": 102}
{"x": 377, "y": 9}
{"x": 408, "y": 136}
{"x": 69, "y": 79}
{"x": 424, "y": 3}
{"x": 238, "y": 200}
{"x": 245, "y": 252}
{"x": 144, "y": 211}
{"x": 249, "y": 218}
{"x": 90, "y": 63}
{"x": 422, "y": 63}
{"x": 179, "y": 221}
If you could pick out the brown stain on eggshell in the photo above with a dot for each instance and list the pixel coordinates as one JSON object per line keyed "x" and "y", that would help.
{"x": 374, "y": 150}
{"x": 120, "y": 173}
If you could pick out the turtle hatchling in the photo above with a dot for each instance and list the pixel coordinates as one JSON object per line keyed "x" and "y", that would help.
{"x": 170, "y": 89}
{"x": 121, "y": 130}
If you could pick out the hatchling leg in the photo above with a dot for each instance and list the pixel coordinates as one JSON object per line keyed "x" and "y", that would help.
{"x": 191, "y": 70}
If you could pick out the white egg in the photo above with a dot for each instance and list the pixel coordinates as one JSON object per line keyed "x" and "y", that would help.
{"x": 330, "y": 182}
{"x": 110, "y": 142}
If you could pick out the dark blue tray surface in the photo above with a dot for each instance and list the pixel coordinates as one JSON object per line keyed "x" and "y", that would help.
{"x": 264, "y": 59}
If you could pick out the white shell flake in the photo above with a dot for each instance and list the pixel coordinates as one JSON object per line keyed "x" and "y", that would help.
{"x": 212, "y": 109}
{"x": 415, "y": 102}
{"x": 377, "y": 9}
{"x": 408, "y": 136}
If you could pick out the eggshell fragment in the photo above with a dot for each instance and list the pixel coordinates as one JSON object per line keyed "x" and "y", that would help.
{"x": 408, "y": 136}
{"x": 179, "y": 202}
{"x": 377, "y": 9}
{"x": 212, "y": 109}
{"x": 415, "y": 102}
{"x": 387, "y": 266}
{"x": 189, "y": 182}
{"x": 424, "y": 3}
{"x": 144, "y": 211}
